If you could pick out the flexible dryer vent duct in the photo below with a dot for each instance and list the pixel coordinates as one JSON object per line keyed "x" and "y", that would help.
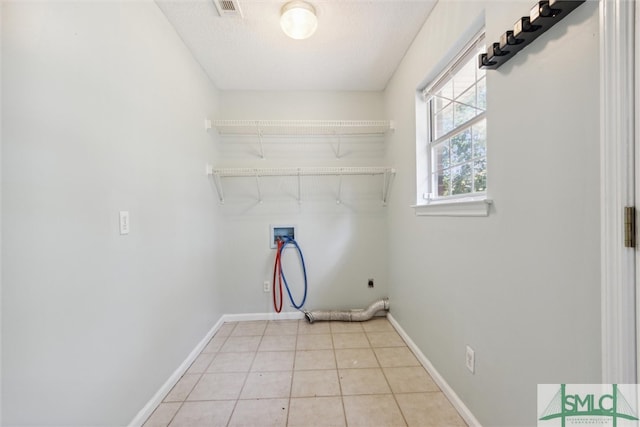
{"x": 348, "y": 315}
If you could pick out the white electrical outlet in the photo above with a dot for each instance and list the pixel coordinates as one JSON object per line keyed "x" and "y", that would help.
{"x": 266, "y": 286}
{"x": 471, "y": 360}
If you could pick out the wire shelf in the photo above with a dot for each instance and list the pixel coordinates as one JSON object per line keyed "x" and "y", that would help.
{"x": 259, "y": 173}
{"x": 302, "y": 127}
{"x": 306, "y": 171}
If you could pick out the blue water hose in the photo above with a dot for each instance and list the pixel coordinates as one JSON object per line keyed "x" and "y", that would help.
{"x": 288, "y": 240}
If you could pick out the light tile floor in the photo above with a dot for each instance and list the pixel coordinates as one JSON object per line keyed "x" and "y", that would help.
{"x": 292, "y": 373}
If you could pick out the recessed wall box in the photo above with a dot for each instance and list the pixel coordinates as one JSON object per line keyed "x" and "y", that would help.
{"x": 279, "y": 231}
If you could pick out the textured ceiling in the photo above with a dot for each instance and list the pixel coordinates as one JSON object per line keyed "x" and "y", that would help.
{"x": 357, "y": 46}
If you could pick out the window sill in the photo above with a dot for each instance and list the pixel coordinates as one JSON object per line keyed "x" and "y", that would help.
{"x": 460, "y": 207}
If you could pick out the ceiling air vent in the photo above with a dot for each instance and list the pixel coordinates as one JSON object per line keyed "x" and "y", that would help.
{"x": 228, "y": 8}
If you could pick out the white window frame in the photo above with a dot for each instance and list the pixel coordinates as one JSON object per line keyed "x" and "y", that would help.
{"x": 472, "y": 204}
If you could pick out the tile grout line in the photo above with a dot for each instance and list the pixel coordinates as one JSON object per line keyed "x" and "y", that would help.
{"x": 246, "y": 378}
{"x": 393, "y": 394}
{"x": 201, "y": 375}
{"x": 335, "y": 359}
{"x": 438, "y": 389}
{"x": 218, "y": 352}
{"x": 174, "y": 415}
{"x": 293, "y": 370}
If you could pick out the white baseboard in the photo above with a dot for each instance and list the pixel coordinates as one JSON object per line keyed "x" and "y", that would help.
{"x": 247, "y": 317}
{"x": 157, "y": 398}
{"x": 457, "y": 403}
{"x": 148, "y": 409}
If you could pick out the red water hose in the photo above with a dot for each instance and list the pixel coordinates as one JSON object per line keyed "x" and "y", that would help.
{"x": 276, "y": 270}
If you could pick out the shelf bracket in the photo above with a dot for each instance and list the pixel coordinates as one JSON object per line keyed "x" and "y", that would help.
{"x": 258, "y": 187}
{"x": 386, "y": 184}
{"x": 260, "y": 143}
{"x": 339, "y": 198}
{"x": 336, "y": 150}
{"x": 218, "y": 184}
{"x": 299, "y": 198}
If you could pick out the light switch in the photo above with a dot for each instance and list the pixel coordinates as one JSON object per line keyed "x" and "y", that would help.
{"x": 124, "y": 222}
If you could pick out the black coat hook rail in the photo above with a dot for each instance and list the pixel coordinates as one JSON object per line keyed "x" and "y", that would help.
{"x": 543, "y": 15}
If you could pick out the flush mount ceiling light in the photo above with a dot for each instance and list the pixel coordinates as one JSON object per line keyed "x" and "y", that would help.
{"x": 298, "y": 19}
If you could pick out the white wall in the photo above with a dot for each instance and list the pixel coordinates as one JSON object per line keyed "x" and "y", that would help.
{"x": 344, "y": 244}
{"x": 103, "y": 111}
{"x": 1, "y": 275}
{"x": 521, "y": 286}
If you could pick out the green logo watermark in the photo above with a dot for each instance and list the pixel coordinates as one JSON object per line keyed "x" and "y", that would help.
{"x": 588, "y": 405}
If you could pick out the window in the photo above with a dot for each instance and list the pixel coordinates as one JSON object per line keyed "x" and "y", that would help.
{"x": 454, "y": 158}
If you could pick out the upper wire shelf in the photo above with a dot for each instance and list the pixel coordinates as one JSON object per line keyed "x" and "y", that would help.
{"x": 330, "y": 129}
{"x": 302, "y": 171}
{"x": 302, "y": 127}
